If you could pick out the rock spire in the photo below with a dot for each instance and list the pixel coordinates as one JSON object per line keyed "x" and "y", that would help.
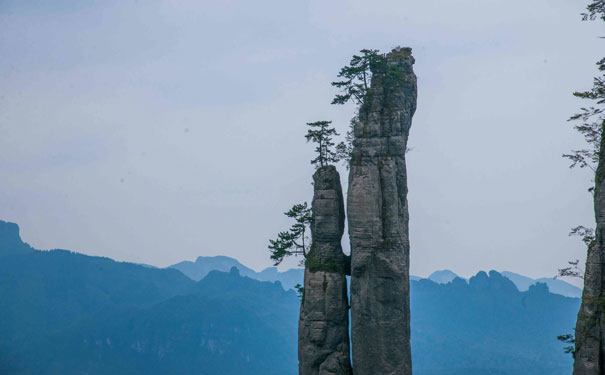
{"x": 590, "y": 326}
{"x": 377, "y": 213}
{"x": 323, "y": 330}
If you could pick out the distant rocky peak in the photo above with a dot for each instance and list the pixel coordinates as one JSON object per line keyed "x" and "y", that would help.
{"x": 443, "y": 276}
{"x": 495, "y": 280}
{"x": 10, "y": 240}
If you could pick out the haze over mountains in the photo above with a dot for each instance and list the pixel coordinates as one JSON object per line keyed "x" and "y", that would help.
{"x": 203, "y": 265}
{"x": 67, "y": 313}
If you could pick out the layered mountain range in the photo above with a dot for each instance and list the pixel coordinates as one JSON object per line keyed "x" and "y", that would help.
{"x": 198, "y": 269}
{"x": 66, "y": 313}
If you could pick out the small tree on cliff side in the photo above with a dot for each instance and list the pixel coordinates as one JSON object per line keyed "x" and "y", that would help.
{"x": 592, "y": 120}
{"x": 592, "y": 123}
{"x": 357, "y": 76}
{"x": 591, "y": 128}
{"x": 355, "y": 86}
{"x": 596, "y": 9}
{"x": 592, "y": 117}
{"x": 293, "y": 241}
{"x": 321, "y": 133}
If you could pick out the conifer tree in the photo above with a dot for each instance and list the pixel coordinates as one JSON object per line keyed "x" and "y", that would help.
{"x": 589, "y": 333}
{"x": 293, "y": 241}
{"x": 321, "y": 133}
{"x": 357, "y": 76}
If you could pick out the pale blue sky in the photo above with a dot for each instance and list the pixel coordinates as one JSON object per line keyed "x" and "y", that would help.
{"x": 157, "y": 131}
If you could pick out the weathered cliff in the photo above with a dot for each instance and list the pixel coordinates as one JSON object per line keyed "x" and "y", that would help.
{"x": 323, "y": 330}
{"x": 377, "y": 213}
{"x": 590, "y": 326}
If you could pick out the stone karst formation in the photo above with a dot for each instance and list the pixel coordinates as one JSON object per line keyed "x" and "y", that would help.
{"x": 590, "y": 326}
{"x": 377, "y": 212}
{"x": 378, "y": 229}
{"x": 323, "y": 330}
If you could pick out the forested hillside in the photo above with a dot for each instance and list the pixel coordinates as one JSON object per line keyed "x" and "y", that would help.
{"x": 67, "y": 313}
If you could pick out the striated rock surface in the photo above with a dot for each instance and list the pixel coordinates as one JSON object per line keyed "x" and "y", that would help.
{"x": 377, "y": 213}
{"x": 590, "y": 326}
{"x": 323, "y": 330}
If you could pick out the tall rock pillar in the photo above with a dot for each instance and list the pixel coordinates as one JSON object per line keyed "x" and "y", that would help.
{"x": 323, "y": 329}
{"x": 590, "y": 326}
{"x": 377, "y": 213}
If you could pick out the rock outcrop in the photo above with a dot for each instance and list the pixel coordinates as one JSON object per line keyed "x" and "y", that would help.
{"x": 323, "y": 330}
{"x": 378, "y": 222}
{"x": 590, "y": 326}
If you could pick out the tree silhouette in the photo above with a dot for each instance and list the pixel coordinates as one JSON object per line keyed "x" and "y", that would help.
{"x": 357, "y": 77}
{"x": 321, "y": 133}
{"x": 293, "y": 241}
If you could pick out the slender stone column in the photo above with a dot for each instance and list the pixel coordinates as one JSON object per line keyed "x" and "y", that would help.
{"x": 323, "y": 330}
{"x": 590, "y": 326}
{"x": 378, "y": 222}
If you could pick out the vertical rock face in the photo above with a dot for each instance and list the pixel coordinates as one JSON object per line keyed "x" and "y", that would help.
{"x": 378, "y": 223}
{"x": 590, "y": 326}
{"x": 323, "y": 330}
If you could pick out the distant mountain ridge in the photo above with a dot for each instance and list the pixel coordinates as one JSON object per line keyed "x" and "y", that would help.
{"x": 443, "y": 276}
{"x": 11, "y": 240}
{"x": 522, "y": 283}
{"x": 203, "y": 265}
{"x": 66, "y": 313}
{"x": 554, "y": 285}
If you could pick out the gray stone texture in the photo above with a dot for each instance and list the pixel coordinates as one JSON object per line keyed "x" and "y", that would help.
{"x": 323, "y": 329}
{"x": 377, "y": 213}
{"x": 590, "y": 326}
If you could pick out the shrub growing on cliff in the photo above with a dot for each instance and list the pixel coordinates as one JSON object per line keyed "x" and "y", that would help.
{"x": 591, "y": 127}
{"x": 355, "y": 86}
{"x": 357, "y": 76}
{"x": 592, "y": 117}
{"x": 321, "y": 133}
{"x": 293, "y": 241}
{"x": 596, "y": 9}
{"x": 592, "y": 122}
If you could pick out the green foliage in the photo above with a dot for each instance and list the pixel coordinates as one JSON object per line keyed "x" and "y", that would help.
{"x": 592, "y": 117}
{"x": 592, "y": 124}
{"x": 314, "y": 265}
{"x": 596, "y": 9}
{"x": 321, "y": 133}
{"x": 345, "y": 149}
{"x": 300, "y": 291}
{"x": 568, "y": 338}
{"x": 572, "y": 270}
{"x": 592, "y": 120}
{"x": 587, "y": 234}
{"x": 357, "y": 77}
{"x": 356, "y": 86}
{"x": 292, "y": 241}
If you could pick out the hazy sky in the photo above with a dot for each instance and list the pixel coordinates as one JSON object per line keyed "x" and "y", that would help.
{"x": 156, "y": 131}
